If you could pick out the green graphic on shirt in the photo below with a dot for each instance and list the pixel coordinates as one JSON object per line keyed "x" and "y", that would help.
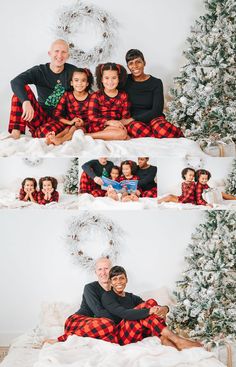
{"x": 105, "y": 173}
{"x": 54, "y": 98}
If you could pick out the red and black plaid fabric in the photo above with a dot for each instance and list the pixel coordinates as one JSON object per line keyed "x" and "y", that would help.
{"x": 69, "y": 107}
{"x": 158, "y": 128}
{"x": 188, "y": 193}
{"x": 103, "y": 108}
{"x": 22, "y": 195}
{"x": 42, "y": 201}
{"x": 199, "y": 190}
{"x": 128, "y": 331}
{"x": 93, "y": 327}
{"x": 40, "y": 125}
{"x": 87, "y": 185}
{"x": 152, "y": 193}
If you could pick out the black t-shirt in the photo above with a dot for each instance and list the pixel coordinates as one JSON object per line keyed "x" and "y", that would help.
{"x": 146, "y": 98}
{"x": 93, "y": 168}
{"x": 91, "y": 305}
{"x": 123, "y": 307}
{"x": 50, "y": 86}
{"x": 146, "y": 175}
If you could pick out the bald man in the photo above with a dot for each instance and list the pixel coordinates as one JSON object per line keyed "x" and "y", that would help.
{"x": 92, "y": 320}
{"x": 51, "y": 81}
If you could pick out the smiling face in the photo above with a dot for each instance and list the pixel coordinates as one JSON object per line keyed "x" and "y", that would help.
{"x": 59, "y": 53}
{"x": 110, "y": 80}
{"x": 103, "y": 161}
{"x": 79, "y": 82}
{"x": 136, "y": 67}
{"x": 142, "y": 162}
{"x": 114, "y": 173}
{"x": 203, "y": 179}
{"x": 29, "y": 185}
{"x": 189, "y": 176}
{"x": 118, "y": 283}
{"x": 126, "y": 170}
{"x": 102, "y": 269}
{"x": 47, "y": 185}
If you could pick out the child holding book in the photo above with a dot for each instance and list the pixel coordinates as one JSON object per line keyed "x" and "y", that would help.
{"x": 47, "y": 193}
{"x": 128, "y": 169}
{"x": 28, "y": 191}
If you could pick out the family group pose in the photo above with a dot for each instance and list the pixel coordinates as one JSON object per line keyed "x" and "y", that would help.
{"x": 195, "y": 182}
{"x": 123, "y": 107}
{"x": 94, "y": 172}
{"x": 47, "y": 190}
{"x": 110, "y": 313}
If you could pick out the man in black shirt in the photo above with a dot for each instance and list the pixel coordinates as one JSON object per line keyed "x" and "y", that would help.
{"x": 91, "y": 178}
{"x": 92, "y": 320}
{"x": 136, "y": 318}
{"x": 51, "y": 81}
{"x": 147, "y": 101}
{"x": 147, "y": 173}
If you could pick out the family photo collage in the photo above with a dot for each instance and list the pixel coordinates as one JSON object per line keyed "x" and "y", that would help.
{"x": 118, "y": 184}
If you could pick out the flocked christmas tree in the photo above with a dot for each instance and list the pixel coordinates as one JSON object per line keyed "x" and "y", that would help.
{"x": 231, "y": 180}
{"x": 204, "y": 93}
{"x": 206, "y": 307}
{"x": 71, "y": 179}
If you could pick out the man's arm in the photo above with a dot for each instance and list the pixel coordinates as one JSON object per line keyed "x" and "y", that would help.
{"x": 87, "y": 168}
{"x": 18, "y": 83}
{"x": 94, "y": 302}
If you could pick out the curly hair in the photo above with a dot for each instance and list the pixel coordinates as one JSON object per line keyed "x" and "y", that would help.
{"x": 89, "y": 75}
{"x": 202, "y": 172}
{"x": 117, "y": 270}
{"x": 116, "y": 167}
{"x": 53, "y": 180}
{"x": 185, "y": 171}
{"x": 132, "y": 165}
{"x": 121, "y": 71}
{"x": 29, "y": 179}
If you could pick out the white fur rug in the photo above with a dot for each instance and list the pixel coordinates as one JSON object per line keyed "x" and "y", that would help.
{"x": 84, "y": 145}
{"x": 226, "y": 205}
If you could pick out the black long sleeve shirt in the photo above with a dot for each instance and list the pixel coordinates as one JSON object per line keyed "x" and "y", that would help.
{"x": 91, "y": 305}
{"x": 49, "y": 85}
{"x": 146, "y": 98}
{"x": 93, "y": 168}
{"x": 147, "y": 175}
{"x": 123, "y": 307}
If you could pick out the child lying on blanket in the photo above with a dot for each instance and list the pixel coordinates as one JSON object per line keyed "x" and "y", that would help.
{"x": 202, "y": 177}
{"x": 47, "y": 193}
{"x": 188, "y": 189}
{"x": 28, "y": 191}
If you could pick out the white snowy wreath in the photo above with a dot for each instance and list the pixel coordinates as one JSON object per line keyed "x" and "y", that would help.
{"x": 83, "y": 225}
{"x": 105, "y": 26}
{"x": 32, "y": 162}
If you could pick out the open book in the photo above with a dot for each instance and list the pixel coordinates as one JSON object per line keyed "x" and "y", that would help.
{"x": 123, "y": 186}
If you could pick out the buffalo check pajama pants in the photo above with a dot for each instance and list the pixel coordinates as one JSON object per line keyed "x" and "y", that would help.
{"x": 87, "y": 185}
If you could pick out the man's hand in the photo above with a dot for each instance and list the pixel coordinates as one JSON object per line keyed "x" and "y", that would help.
{"x": 98, "y": 180}
{"x": 28, "y": 111}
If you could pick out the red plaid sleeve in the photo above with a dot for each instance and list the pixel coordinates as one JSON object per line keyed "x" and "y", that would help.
{"x": 43, "y": 201}
{"x": 94, "y": 112}
{"x": 60, "y": 110}
{"x": 188, "y": 193}
{"x": 125, "y": 106}
{"x": 22, "y": 194}
{"x": 54, "y": 196}
{"x": 199, "y": 191}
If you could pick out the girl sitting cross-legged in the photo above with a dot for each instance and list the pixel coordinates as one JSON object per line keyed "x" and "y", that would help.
{"x": 28, "y": 191}
{"x": 47, "y": 193}
{"x": 115, "y": 176}
{"x": 188, "y": 189}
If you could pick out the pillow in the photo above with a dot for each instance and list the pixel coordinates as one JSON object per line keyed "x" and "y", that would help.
{"x": 55, "y": 314}
{"x": 161, "y": 295}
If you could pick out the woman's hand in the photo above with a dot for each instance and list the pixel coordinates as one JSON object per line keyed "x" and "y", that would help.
{"x": 162, "y": 311}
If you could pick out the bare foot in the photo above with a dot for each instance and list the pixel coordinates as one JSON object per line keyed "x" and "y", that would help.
{"x": 15, "y": 134}
{"x": 182, "y": 343}
{"x": 126, "y": 198}
{"x": 50, "y": 341}
{"x": 134, "y": 197}
{"x": 167, "y": 342}
{"x": 48, "y": 137}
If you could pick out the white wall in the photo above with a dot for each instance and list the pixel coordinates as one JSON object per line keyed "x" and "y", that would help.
{"x": 14, "y": 170}
{"x": 159, "y": 28}
{"x": 36, "y": 267}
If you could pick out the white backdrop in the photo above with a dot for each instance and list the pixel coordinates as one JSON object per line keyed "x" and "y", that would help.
{"x": 35, "y": 266}
{"x": 159, "y": 28}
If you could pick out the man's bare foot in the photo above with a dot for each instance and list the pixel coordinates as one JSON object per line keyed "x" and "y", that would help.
{"x": 167, "y": 342}
{"x": 15, "y": 134}
{"x": 182, "y": 343}
{"x": 50, "y": 341}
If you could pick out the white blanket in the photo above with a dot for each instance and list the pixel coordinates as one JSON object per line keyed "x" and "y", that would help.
{"x": 88, "y": 352}
{"x": 8, "y": 200}
{"x": 87, "y": 201}
{"x": 226, "y": 205}
{"x": 84, "y": 145}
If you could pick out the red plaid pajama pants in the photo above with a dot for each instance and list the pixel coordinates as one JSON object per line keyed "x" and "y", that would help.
{"x": 128, "y": 331}
{"x": 158, "y": 128}
{"x": 93, "y": 327}
{"x": 40, "y": 125}
{"x": 87, "y": 185}
{"x": 152, "y": 193}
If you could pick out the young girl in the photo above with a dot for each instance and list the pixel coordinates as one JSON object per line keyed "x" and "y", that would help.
{"x": 108, "y": 107}
{"x": 202, "y": 177}
{"x": 28, "y": 190}
{"x": 47, "y": 193}
{"x": 188, "y": 189}
{"x": 128, "y": 169}
{"x": 114, "y": 175}
{"x": 72, "y": 109}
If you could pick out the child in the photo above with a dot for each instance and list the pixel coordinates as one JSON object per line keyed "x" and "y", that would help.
{"x": 28, "y": 190}
{"x": 108, "y": 107}
{"x": 128, "y": 169}
{"x": 72, "y": 108}
{"x": 47, "y": 193}
{"x": 114, "y": 175}
{"x": 188, "y": 189}
{"x": 202, "y": 177}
